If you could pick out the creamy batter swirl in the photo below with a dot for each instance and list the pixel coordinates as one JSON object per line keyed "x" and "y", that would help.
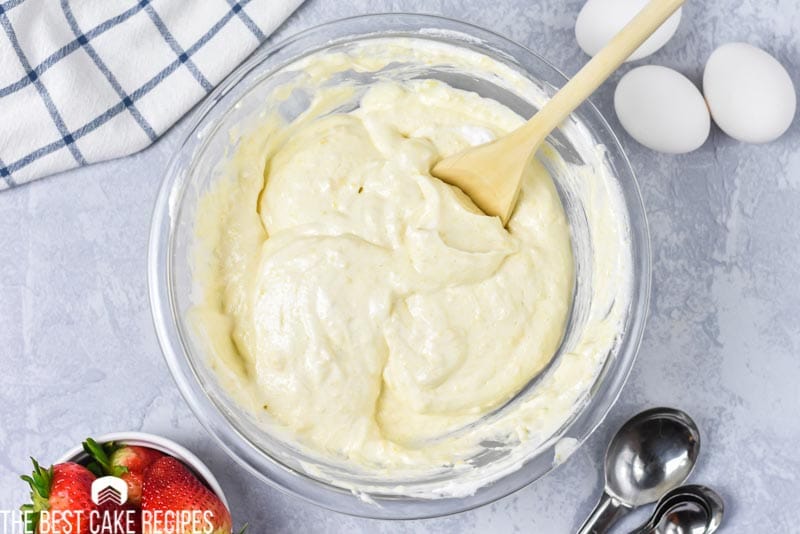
{"x": 373, "y": 306}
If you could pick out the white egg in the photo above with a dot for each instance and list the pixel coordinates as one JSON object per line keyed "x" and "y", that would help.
{"x": 662, "y": 109}
{"x": 599, "y": 20}
{"x": 749, "y": 93}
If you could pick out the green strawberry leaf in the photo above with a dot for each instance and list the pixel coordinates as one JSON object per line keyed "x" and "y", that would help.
{"x": 101, "y": 464}
{"x": 39, "y": 481}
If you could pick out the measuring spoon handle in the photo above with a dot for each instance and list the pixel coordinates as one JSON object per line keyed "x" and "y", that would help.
{"x": 604, "y": 515}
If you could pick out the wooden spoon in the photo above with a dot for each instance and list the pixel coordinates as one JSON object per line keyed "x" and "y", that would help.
{"x": 491, "y": 174}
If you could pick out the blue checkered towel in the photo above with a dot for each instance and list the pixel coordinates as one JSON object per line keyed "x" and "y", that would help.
{"x": 83, "y": 81}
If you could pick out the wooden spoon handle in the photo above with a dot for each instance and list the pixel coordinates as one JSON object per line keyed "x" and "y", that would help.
{"x": 599, "y": 68}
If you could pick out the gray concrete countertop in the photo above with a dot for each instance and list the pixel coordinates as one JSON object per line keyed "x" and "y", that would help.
{"x": 80, "y": 357}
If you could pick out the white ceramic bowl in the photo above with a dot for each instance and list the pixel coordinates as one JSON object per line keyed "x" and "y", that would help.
{"x": 159, "y": 443}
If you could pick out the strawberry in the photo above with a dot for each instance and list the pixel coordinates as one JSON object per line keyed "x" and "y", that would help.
{"x": 127, "y": 462}
{"x": 170, "y": 488}
{"x": 64, "y": 493}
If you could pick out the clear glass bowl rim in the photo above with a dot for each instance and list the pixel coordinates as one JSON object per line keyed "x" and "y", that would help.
{"x": 607, "y": 387}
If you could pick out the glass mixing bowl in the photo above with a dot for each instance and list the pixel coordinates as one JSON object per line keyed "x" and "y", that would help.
{"x": 195, "y": 167}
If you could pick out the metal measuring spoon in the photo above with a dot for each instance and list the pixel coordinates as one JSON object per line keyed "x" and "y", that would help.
{"x": 651, "y": 454}
{"x": 691, "y": 509}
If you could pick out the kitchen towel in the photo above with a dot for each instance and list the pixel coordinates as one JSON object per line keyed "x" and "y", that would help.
{"x": 83, "y": 81}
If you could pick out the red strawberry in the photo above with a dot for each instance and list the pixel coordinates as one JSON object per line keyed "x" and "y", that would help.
{"x": 127, "y": 462}
{"x": 65, "y": 492}
{"x": 170, "y": 487}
